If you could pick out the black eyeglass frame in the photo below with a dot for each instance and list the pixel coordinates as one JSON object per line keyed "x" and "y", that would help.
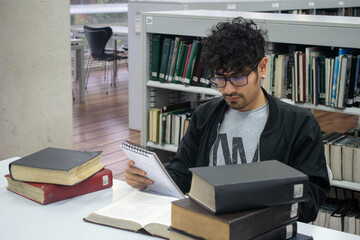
{"x": 228, "y": 79}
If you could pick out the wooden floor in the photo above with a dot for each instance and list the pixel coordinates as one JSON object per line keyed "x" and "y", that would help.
{"x": 101, "y": 123}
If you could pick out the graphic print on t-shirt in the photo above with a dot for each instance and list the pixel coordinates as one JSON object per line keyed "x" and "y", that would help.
{"x": 238, "y": 136}
{"x": 237, "y": 152}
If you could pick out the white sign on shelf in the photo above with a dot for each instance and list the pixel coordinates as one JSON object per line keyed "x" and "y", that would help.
{"x": 137, "y": 22}
{"x": 149, "y": 20}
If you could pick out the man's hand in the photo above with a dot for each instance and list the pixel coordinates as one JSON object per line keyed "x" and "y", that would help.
{"x": 136, "y": 177}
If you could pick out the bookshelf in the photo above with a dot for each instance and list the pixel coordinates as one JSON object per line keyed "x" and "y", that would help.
{"x": 138, "y": 6}
{"x": 282, "y": 28}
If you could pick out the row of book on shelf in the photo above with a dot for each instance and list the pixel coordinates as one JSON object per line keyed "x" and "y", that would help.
{"x": 318, "y": 75}
{"x": 315, "y": 75}
{"x": 214, "y": 210}
{"x": 350, "y": 11}
{"x": 342, "y": 154}
{"x": 168, "y": 124}
{"x": 340, "y": 211}
{"x": 176, "y": 60}
{"x": 55, "y": 174}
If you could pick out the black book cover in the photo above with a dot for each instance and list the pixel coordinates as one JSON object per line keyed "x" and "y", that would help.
{"x": 247, "y": 186}
{"x": 55, "y": 159}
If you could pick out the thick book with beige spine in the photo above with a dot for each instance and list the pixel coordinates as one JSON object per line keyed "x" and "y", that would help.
{"x": 240, "y": 187}
{"x": 57, "y": 166}
{"x": 189, "y": 217}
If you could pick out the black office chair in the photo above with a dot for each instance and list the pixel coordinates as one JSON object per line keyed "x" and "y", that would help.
{"x": 97, "y": 39}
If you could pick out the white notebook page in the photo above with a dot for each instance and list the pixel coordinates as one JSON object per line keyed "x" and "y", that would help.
{"x": 150, "y": 163}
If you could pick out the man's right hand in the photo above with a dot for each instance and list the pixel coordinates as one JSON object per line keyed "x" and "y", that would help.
{"x": 136, "y": 177}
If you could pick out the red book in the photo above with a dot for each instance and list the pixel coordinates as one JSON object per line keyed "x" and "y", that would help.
{"x": 187, "y": 61}
{"x": 46, "y": 193}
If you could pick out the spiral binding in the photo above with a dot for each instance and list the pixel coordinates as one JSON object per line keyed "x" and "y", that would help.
{"x": 135, "y": 148}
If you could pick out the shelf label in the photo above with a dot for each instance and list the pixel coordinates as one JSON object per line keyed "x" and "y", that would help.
{"x": 149, "y": 20}
{"x": 137, "y": 22}
{"x": 341, "y": 3}
{"x": 275, "y": 5}
{"x": 231, "y": 6}
{"x": 311, "y": 4}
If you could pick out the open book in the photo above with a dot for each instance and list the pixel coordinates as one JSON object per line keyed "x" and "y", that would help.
{"x": 150, "y": 163}
{"x": 137, "y": 211}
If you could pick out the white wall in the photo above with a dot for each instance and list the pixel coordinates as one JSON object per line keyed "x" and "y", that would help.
{"x": 35, "y": 76}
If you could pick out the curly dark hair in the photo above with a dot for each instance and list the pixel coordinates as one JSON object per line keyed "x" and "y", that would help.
{"x": 233, "y": 46}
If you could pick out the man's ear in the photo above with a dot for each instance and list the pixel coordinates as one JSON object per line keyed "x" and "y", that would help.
{"x": 262, "y": 66}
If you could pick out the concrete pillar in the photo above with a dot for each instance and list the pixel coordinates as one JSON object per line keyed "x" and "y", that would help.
{"x": 35, "y": 76}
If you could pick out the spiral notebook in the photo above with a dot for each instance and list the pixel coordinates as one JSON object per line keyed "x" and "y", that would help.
{"x": 151, "y": 164}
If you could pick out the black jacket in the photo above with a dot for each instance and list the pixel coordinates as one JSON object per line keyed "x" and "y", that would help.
{"x": 292, "y": 135}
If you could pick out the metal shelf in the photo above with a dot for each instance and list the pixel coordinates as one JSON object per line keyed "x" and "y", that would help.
{"x": 345, "y": 184}
{"x": 183, "y": 88}
{"x": 165, "y": 147}
{"x": 351, "y": 110}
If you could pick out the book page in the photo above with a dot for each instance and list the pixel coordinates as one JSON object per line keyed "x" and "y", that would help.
{"x": 149, "y": 162}
{"x": 142, "y": 207}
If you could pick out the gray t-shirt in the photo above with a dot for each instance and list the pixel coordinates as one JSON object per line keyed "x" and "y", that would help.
{"x": 238, "y": 136}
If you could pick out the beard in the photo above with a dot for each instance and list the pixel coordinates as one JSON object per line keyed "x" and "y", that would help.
{"x": 237, "y": 104}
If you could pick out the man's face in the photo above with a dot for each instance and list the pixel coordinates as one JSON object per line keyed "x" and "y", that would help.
{"x": 246, "y": 97}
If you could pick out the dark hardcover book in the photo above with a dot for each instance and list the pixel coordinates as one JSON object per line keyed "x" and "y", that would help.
{"x": 172, "y": 46}
{"x": 345, "y": 96}
{"x": 46, "y": 193}
{"x": 189, "y": 217}
{"x": 283, "y": 232}
{"x": 180, "y": 62}
{"x": 174, "y": 59}
{"x": 156, "y": 45}
{"x": 290, "y": 75}
{"x": 193, "y": 58}
{"x": 56, "y": 165}
{"x": 198, "y": 68}
{"x": 185, "y": 62}
{"x": 222, "y": 189}
{"x": 164, "y": 59}
{"x": 321, "y": 76}
{"x": 351, "y": 90}
{"x": 357, "y": 83}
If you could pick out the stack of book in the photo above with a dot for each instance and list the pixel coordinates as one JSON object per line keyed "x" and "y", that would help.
{"x": 342, "y": 152}
{"x": 55, "y": 174}
{"x": 247, "y": 201}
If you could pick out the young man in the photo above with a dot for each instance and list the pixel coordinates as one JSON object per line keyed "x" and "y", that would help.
{"x": 247, "y": 124}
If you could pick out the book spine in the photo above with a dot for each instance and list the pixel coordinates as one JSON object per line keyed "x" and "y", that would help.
{"x": 99, "y": 181}
{"x": 274, "y": 193}
{"x": 155, "y": 56}
{"x": 192, "y": 62}
{"x": 164, "y": 59}
{"x": 283, "y": 232}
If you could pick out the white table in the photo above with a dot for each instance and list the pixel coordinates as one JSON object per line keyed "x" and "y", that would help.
{"x": 78, "y": 46}
{"x": 21, "y": 218}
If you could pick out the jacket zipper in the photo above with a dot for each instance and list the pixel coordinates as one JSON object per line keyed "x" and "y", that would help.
{"x": 212, "y": 147}
{"x": 259, "y": 148}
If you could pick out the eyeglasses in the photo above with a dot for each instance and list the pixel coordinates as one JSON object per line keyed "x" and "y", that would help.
{"x": 235, "y": 80}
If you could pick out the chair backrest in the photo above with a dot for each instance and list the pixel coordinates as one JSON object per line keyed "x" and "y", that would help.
{"x": 97, "y": 39}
